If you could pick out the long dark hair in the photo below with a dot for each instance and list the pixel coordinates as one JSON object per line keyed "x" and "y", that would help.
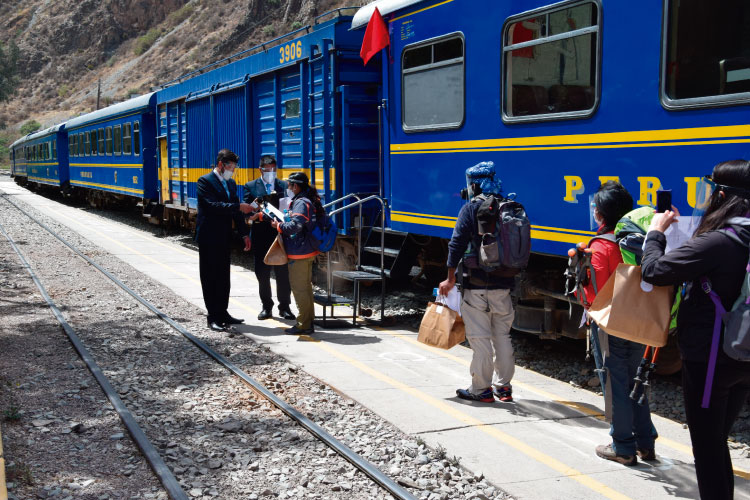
{"x": 612, "y": 202}
{"x": 312, "y": 194}
{"x": 727, "y": 203}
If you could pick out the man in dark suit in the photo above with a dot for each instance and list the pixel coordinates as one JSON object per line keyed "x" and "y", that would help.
{"x": 262, "y": 237}
{"x": 218, "y": 207}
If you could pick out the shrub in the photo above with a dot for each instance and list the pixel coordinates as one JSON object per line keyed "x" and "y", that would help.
{"x": 268, "y": 31}
{"x": 179, "y": 15}
{"x": 63, "y": 91}
{"x": 296, "y": 25}
{"x": 146, "y": 41}
{"x": 30, "y": 126}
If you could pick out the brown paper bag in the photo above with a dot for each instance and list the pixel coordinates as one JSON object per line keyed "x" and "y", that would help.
{"x": 276, "y": 255}
{"x": 441, "y": 327}
{"x": 624, "y": 310}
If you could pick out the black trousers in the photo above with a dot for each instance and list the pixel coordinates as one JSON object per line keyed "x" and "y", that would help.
{"x": 214, "y": 270}
{"x": 710, "y": 427}
{"x": 263, "y": 273}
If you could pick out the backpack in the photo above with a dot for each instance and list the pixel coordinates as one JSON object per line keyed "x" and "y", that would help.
{"x": 580, "y": 272}
{"x": 737, "y": 319}
{"x": 503, "y": 245}
{"x": 324, "y": 234}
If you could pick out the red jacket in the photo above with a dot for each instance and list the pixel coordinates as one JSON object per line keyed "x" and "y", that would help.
{"x": 605, "y": 256}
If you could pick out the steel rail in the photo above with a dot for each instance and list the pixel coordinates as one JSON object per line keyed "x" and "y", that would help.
{"x": 161, "y": 470}
{"x": 360, "y": 463}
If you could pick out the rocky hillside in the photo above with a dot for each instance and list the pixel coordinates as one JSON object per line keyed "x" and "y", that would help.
{"x": 67, "y": 46}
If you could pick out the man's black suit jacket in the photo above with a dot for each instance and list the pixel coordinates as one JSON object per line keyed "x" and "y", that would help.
{"x": 216, "y": 212}
{"x": 263, "y": 233}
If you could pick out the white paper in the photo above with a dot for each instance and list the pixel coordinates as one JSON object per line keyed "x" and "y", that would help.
{"x": 679, "y": 232}
{"x": 274, "y": 212}
{"x": 452, "y": 300}
{"x": 284, "y": 203}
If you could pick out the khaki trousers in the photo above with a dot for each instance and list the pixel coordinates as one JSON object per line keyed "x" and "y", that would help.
{"x": 488, "y": 315}
{"x": 300, "y": 280}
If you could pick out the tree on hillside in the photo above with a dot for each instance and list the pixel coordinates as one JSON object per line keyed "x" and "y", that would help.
{"x": 8, "y": 69}
{"x": 30, "y": 126}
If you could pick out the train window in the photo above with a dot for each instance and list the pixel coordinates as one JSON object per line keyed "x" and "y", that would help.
{"x": 33, "y": 152}
{"x": 433, "y": 84}
{"x": 551, "y": 63}
{"x": 108, "y": 139}
{"x": 81, "y": 150}
{"x": 54, "y": 149}
{"x": 709, "y": 69}
{"x": 94, "y": 143}
{"x": 87, "y": 143}
{"x": 118, "y": 139}
{"x": 136, "y": 138}
{"x": 126, "y": 138}
{"x": 100, "y": 136}
{"x": 291, "y": 108}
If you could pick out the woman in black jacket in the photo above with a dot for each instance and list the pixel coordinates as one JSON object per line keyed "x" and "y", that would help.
{"x": 714, "y": 258}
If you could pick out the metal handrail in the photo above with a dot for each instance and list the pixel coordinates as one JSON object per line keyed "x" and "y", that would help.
{"x": 382, "y": 241}
{"x": 329, "y": 272}
{"x": 359, "y": 203}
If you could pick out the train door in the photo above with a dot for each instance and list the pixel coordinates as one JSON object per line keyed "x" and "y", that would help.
{"x": 164, "y": 175}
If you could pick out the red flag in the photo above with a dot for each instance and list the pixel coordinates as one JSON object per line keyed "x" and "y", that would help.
{"x": 376, "y": 37}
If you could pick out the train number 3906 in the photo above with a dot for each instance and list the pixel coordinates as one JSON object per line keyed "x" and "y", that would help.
{"x": 290, "y": 52}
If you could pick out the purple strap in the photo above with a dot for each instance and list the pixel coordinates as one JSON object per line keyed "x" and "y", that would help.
{"x": 720, "y": 311}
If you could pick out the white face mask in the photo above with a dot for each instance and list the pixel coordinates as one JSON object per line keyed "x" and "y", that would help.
{"x": 289, "y": 193}
{"x": 269, "y": 177}
{"x": 227, "y": 174}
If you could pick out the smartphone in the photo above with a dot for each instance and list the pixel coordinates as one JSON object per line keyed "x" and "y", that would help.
{"x": 663, "y": 200}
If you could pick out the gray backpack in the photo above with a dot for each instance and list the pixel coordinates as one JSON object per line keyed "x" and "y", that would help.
{"x": 737, "y": 319}
{"x": 504, "y": 236}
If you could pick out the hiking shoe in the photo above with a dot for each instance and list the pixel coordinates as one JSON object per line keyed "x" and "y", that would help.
{"x": 504, "y": 393}
{"x": 608, "y": 453}
{"x": 484, "y": 397}
{"x": 647, "y": 455}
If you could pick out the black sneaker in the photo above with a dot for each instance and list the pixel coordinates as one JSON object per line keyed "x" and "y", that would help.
{"x": 647, "y": 455}
{"x": 504, "y": 393}
{"x": 608, "y": 453}
{"x": 483, "y": 397}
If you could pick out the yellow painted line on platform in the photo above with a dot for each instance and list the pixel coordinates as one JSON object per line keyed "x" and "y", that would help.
{"x": 585, "y": 409}
{"x": 3, "y": 485}
{"x": 490, "y": 430}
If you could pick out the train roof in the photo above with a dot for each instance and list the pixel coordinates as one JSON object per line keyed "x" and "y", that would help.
{"x": 19, "y": 141}
{"x": 362, "y": 17}
{"x": 45, "y": 132}
{"x": 41, "y": 133}
{"x": 130, "y": 105}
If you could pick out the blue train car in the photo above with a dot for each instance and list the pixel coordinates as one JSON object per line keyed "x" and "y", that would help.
{"x": 18, "y": 160}
{"x": 42, "y": 157}
{"x": 304, "y": 98}
{"x": 112, "y": 151}
{"x": 561, "y": 97}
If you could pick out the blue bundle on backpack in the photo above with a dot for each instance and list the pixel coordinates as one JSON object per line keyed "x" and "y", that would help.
{"x": 324, "y": 234}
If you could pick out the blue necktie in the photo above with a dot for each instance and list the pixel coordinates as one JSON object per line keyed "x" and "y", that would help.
{"x": 224, "y": 183}
{"x": 268, "y": 189}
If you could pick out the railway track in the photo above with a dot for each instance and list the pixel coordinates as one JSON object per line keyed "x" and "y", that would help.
{"x": 149, "y": 450}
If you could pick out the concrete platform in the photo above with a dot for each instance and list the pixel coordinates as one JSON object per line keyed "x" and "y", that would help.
{"x": 540, "y": 446}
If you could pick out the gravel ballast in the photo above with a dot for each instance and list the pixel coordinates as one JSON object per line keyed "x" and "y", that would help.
{"x": 63, "y": 440}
